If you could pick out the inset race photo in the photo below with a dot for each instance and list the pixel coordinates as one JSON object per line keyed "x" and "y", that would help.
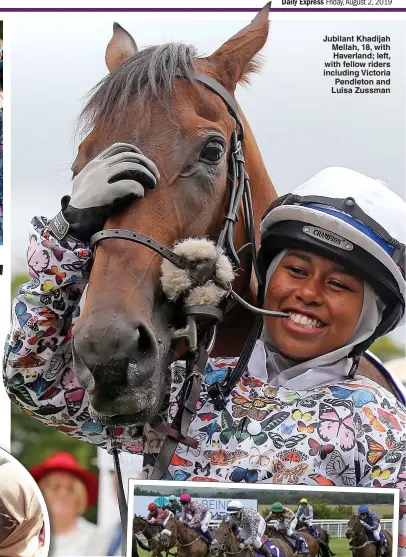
{"x": 189, "y": 520}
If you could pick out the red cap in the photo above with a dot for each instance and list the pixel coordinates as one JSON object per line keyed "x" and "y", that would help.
{"x": 65, "y": 462}
{"x": 152, "y": 507}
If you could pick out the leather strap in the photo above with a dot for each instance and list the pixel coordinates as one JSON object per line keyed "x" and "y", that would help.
{"x": 122, "y": 503}
{"x": 222, "y": 92}
{"x": 178, "y": 430}
{"x": 219, "y": 392}
{"x": 120, "y": 234}
{"x": 201, "y": 272}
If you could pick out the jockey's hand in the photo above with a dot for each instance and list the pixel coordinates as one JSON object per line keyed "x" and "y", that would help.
{"x": 106, "y": 185}
{"x": 242, "y": 546}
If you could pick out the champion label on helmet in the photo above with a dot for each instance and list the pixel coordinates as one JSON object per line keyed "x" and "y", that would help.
{"x": 327, "y": 237}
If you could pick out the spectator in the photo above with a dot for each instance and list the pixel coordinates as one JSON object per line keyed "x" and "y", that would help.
{"x": 69, "y": 491}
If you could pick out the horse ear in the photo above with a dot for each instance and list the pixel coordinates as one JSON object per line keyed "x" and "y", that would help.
{"x": 235, "y": 58}
{"x": 121, "y": 47}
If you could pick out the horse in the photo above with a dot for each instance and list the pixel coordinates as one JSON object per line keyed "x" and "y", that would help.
{"x": 187, "y": 540}
{"x": 123, "y": 340}
{"x": 314, "y": 547}
{"x": 151, "y": 533}
{"x": 225, "y": 544}
{"x": 361, "y": 545}
{"x": 323, "y": 539}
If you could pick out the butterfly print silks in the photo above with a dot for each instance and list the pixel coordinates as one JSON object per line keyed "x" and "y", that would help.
{"x": 351, "y": 433}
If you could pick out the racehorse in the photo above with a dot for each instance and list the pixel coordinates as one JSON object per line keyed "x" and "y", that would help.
{"x": 151, "y": 533}
{"x": 323, "y": 539}
{"x": 158, "y": 99}
{"x": 188, "y": 542}
{"x": 313, "y": 544}
{"x": 225, "y": 544}
{"x": 361, "y": 545}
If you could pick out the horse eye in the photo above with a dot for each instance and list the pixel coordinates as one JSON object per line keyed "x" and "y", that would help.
{"x": 212, "y": 152}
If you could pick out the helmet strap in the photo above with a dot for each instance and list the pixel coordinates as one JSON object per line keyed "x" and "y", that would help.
{"x": 355, "y": 363}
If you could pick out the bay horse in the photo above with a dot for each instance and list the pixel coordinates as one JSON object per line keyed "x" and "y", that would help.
{"x": 188, "y": 542}
{"x": 225, "y": 544}
{"x": 361, "y": 545}
{"x": 151, "y": 533}
{"x": 323, "y": 539}
{"x": 123, "y": 340}
{"x": 314, "y": 547}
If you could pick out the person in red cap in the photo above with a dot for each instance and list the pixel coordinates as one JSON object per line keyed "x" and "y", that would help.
{"x": 69, "y": 490}
{"x": 155, "y": 514}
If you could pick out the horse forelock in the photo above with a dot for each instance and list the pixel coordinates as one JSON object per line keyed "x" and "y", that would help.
{"x": 150, "y": 74}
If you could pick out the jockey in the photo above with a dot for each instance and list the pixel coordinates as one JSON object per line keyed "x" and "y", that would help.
{"x": 331, "y": 256}
{"x": 156, "y": 514}
{"x": 372, "y": 526}
{"x": 251, "y": 526}
{"x": 286, "y": 521}
{"x": 196, "y": 516}
{"x": 175, "y": 506}
{"x": 304, "y": 514}
{"x": 166, "y": 513}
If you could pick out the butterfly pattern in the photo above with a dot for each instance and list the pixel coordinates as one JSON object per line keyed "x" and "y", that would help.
{"x": 351, "y": 433}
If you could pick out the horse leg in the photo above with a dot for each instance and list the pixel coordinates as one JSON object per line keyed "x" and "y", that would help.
{"x": 134, "y": 548}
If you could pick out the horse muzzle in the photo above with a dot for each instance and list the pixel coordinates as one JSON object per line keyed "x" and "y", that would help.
{"x": 214, "y": 548}
{"x": 349, "y": 534}
{"x": 166, "y": 536}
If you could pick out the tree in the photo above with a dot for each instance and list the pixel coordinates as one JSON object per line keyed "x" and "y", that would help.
{"x": 386, "y": 349}
{"x": 16, "y": 281}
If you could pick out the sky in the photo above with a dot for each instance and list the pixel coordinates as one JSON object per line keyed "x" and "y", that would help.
{"x": 299, "y": 125}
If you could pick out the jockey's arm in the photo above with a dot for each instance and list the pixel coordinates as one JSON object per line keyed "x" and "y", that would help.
{"x": 375, "y": 522}
{"x": 253, "y": 524}
{"x": 38, "y": 345}
{"x": 196, "y": 519}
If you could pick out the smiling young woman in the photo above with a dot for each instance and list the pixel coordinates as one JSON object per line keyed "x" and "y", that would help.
{"x": 324, "y": 302}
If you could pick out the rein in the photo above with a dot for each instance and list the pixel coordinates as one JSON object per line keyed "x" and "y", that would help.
{"x": 178, "y": 544}
{"x": 202, "y": 319}
{"x": 361, "y": 546}
{"x": 223, "y": 549}
{"x": 359, "y": 536}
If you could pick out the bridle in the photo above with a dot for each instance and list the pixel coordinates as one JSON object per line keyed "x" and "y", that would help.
{"x": 138, "y": 541}
{"x": 223, "y": 550}
{"x": 358, "y": 535}
{"x": 202, "y": 320}
{"x": 175, "y": 536}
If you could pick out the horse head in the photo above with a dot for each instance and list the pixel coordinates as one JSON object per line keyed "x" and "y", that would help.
{"x": 354, "y": 527}
{"x": 123, "y": 340}
{"x": 169, "y": 531}
{"x": 224, "y": 539}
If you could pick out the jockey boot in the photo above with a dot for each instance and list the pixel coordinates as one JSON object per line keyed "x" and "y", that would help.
{"x": 264, "y": 551}
{"x": 207, "y": 536}
{"x": 381, "y": 547}
{"x": 298, "y": 542}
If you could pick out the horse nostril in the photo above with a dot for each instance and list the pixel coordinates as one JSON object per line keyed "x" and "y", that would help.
{"x": 145, "y": 344}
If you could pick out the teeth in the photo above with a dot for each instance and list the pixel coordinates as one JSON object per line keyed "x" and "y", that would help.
{"x": 305, "y": 321}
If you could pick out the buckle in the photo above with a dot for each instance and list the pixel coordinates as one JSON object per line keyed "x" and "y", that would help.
{"x": 175, "y": 434}
{"x": 217, "y": 396}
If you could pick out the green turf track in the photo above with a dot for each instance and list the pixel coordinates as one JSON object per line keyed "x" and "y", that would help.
{"x": 339, "y": 546}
